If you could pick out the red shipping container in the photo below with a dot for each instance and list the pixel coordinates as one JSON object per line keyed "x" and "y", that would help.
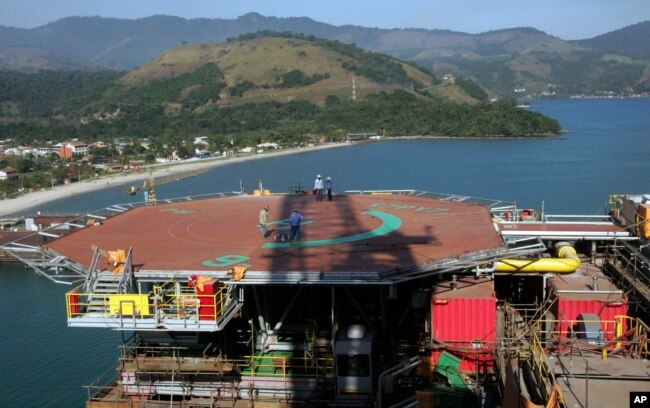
{"x": 580, "y": 293}
{"x": 463, "y": 316}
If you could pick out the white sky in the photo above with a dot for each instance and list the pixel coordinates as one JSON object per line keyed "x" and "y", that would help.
{"x": 567, "y": 19}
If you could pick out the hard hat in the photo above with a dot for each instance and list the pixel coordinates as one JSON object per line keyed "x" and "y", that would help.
{"x": 318, "y": 176}
{"x": 329, "y": 178}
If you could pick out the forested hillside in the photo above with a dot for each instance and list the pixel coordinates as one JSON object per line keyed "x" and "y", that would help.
{"x": 254, "y": 88}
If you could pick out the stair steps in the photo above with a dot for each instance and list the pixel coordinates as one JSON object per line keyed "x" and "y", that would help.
{"x": 107, "y": 284}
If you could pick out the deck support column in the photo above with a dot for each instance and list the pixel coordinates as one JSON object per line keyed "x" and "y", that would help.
{"x": 278, "y": 325}
{"x": 260, "y": 318}
{"x": 593, "y": 252}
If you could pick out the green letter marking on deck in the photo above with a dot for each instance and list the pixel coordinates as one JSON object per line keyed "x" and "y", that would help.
{"x": 227, "y": 260}
{"x": 389, "y": 224}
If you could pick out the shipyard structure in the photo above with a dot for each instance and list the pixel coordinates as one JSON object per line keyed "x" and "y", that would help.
{"x": 387, "y": 299}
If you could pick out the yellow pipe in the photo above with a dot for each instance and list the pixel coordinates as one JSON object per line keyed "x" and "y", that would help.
{"x": 566, "y": 262}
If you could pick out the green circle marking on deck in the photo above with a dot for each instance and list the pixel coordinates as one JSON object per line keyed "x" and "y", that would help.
{"x": 389, "y": 224}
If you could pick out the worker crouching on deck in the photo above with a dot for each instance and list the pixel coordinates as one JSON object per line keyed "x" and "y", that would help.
{"x": 263, "y": 222}
{"x": 294, "y": 221}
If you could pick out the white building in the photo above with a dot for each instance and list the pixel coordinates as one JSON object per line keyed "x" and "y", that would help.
{"x": 8, "y": 172}
{"x": 201, "y": 140}
{"x": 21, "y": 151}
{"x": 45, "y": 151}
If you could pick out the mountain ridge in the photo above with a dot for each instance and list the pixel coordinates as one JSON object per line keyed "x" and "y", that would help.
{"x": 503, "y": 60}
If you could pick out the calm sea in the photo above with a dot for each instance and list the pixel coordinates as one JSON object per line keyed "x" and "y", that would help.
{"x": 606, "y": 150}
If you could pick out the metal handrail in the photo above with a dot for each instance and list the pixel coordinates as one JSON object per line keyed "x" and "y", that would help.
{"x": 126, "y": 280}
{"x": 608, "y": 327}
{"x": 488, "y": 202}
{"x": 544, "y": 372}
{"x": 292, "y": 366}
{"x": 176, "y": 306}
{"x": 613, "y": 335}
{"x": 104, "y": 384}
{"x": 273, "y": 365}
{"x": 92, "y": 275}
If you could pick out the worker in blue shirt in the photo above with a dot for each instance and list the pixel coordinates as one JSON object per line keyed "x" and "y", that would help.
{"x": 328, "y": 187}
{"x": 294, "y": 221}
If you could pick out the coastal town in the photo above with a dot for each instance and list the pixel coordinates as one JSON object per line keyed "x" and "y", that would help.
{"x": 25, "y": 188}
{"x": 26, "y": 169}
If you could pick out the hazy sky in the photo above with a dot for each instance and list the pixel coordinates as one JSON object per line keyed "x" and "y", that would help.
{"x": 567, "y": 19}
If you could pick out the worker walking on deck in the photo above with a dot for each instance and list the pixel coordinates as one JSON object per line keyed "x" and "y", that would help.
{"x": 328, "y": 187}
{"x": 263, "y": 223}
{"x": 294, "y": 221}
{"x": 318, "y": 186}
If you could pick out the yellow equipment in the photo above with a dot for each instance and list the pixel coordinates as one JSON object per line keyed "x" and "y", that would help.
{"x": 129, "y": 304}
{"x": 566, "y": 262}
{"x": 149, "y": 186}
{"x": 115, "y": 259}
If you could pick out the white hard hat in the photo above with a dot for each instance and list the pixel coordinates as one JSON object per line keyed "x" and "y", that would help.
{"x": 329, "y": 178}
{"x": 318, "y": 176}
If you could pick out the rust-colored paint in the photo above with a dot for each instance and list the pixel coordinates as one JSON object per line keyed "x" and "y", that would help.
{"x": 196, "y": 235}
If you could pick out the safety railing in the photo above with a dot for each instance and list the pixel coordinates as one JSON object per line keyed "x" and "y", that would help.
{"x": 162, "y": 305}
{"x": 545, "y": 374}
{"x": 514, "y": 214}
{"x": 105, "y": 385}
{"x": 273, "y": 364}
{"x": 494, "y": 205}
{"x": 567, "y": 328}
{"x": 638, "y": 331}
{"x": 290, "y": 366}
{"x": 626, "y": 332}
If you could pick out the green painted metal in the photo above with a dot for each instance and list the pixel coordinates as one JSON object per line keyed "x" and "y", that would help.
{"x": 447, "y": 366}
{"x": 389, "y": 224}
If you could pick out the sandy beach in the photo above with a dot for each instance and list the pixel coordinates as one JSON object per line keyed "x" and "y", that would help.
{"x": 36, "y": 198}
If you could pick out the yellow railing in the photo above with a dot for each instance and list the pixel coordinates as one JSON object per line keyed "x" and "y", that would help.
{"x": 638, "y": 331}
{"x": 291, "y": 366}
{"x": 163, "y": 304}
{"x": 623, "y": 331}
{"x": 545, "y": 374}
{"x": 565, "y": 328}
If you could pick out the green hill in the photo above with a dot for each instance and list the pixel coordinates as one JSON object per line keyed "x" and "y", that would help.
{"x": 628, "y": 41}
{"x": 265, "y": 86}
{"x": 285, "y": 69}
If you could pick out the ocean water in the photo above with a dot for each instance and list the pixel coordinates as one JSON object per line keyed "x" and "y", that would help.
{"x": 606, "y": 150}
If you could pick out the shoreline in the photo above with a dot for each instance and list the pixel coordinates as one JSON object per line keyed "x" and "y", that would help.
{"x": 33, "y": 199}
{"x": 11, "y": 206}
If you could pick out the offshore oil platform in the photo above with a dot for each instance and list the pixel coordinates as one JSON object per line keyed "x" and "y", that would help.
{"x": 388, "y": 299}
